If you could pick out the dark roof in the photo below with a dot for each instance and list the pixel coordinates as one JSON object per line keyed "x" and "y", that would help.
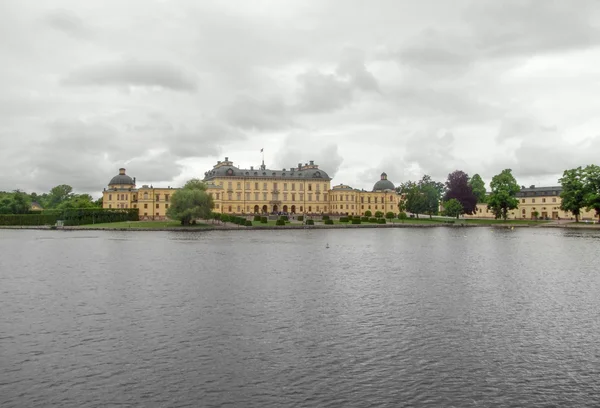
{"x": 121, "y": 179}
{"x": 384, "y": 184}
{"x": 232, "y": 171}
{"x": 540, "y": 191}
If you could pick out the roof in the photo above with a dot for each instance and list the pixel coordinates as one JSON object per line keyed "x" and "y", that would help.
{"x": 384, "y": 184}
{"x": 539, "y": 191}
{"x": 305, "y": 173}
{"x": 121, "y": 179}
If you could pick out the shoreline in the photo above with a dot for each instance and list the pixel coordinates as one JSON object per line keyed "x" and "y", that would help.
{"x": 298, "y": 227}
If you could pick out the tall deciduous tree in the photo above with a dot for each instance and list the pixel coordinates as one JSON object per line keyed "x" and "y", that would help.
{"x": 58, "y": 195}
{"x": 413, "y": 200}
{"x": 573, "y": 194}
{"x": 191, "y": 202}
{"x": 458, "y": 187}
{"x": 502, "y": 198}
{"x": 432, "y": 192}
{"x": 478, "y": 187}
{"x": 592, "y": 188}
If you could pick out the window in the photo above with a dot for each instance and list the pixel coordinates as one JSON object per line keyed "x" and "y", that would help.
{"x": 238, "y": 196}
{"x": 157, "y": 214}
{"x": 229, "y": 185}
{"x": 309, "y": 196}
{"x": 256, "y": 196}
{"x": 293, "y": 196}
{"x": 264, "y": 186}
{"x": 239, "y": 209}
{"x": 145, "y": 205}
{"x": 533, "y": 200}
{"x": 158, "y": 197}
{"x": 369, "y": 200}
{"x": 317, "y": 197}
{"x": 166, "y": 205}
{"x": 310, "y": 187}
{"x": 293, "y": 186}
{"x": 309, "y": 208}
{"x": 554, "y": 200}
{"x": 110, "y": 196}
{"x": 523, "y": 200}
{"x": 247, "y": 196}
{"x": 145, "y": 213}
{"x": 301, "y": 197}
{"x": 229, "y": 208}
{"x": 301, "y": 187}
{"x": 543, "y": 200}
{"x": 264, "y": 196}
{"x": 318, "y": 187}
{"x": 167, "y": 197}
{"x": 110, "y": 206}
{"x": 135, "y": 205}
{"x": 375, "y": 200}
{"x": 218, "y": 196}
{"x": 247, "y": 185}
{"x": 256, "y": 186}
{"x": 285, "y": 196}
{"x": 145, "y": 196}
{"x": 362, "y": 200}
{"x": 157, "y": 205}
{"x": 284, "y": 186}
{"x": 239, "y": 185}
{"x": 229, "y": 196}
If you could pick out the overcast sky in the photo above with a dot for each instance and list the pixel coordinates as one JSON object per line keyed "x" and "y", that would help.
{"x": 167, "y": 88}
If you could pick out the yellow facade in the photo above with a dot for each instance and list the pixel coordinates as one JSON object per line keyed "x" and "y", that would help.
{"x": 302, "y": 189}
{"x": 545, "y": 201}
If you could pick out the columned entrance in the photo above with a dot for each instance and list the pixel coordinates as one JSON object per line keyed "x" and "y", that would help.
{"x": 293, "y": 209}
{"x": 275, "y": 208}
{"x": 265, "y": 209}
{"x": 285, "y": 208}
{"x": 256, "y": 209}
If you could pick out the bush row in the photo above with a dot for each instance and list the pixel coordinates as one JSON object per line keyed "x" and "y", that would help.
{"x": 72, "y": 216}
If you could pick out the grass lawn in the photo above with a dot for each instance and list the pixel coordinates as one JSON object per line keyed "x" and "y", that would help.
{"x": 144, "y": 224}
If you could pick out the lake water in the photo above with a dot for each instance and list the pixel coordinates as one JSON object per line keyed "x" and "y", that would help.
{"x": 431, "y": 317}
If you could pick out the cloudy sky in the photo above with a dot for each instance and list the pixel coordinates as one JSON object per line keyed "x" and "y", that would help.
{"x": 167, "y": 88}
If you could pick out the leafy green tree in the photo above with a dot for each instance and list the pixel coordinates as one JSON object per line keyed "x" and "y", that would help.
{"x": 368, "y": 213}
{"x": 16, "y": 202}
{"x": 478, "y": 188}
{"x": 378, "y": 214}
{"x": 502, "y": 197}
{"x": 413, "y": 200}
{"x": 573, "y": 194}
{"x": 390, "y": 215}
{"x": 77, "y": 201}
{"x": 592, "y": 188}
{"x": 191, "y": 202}
{"x": 58, "y": 195}
{"x": 458, "y": 187}
{"x": 453, "y": 208}
{"x": 432, "y": 192}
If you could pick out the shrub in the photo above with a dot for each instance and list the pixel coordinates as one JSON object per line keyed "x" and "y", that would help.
{"x": 344, "y": 219}
{"x": 364, "y": 219}
{"x": 372, "y": 219}
{"x": 389, "y": 215}
{"x": 381, "y": 221}
{"x": 355, "y": 221}
{"x": 378, "y": 214}
{"x": 301, "y": 218}
{"x": 280, "y": 222}
{"x": 325, "y": 217}
{"x": 328, "y": 222}
{"x": 402, "y": 215}
{"x": 73, "y": 216}
{"x": 263, "y": 220}
{"x": 225, "y": 217}
{"x": 368, "y": 213}
{"x": 257, "y": 218}
{"x": 310, "y": 222}
{"x": 284, "y": 217}
{"x": 248, "y": 223}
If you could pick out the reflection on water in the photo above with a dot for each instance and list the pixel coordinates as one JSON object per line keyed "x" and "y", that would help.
{"x": 434, "y": 317}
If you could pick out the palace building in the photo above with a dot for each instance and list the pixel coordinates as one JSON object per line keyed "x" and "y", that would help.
{"x": 543, "y": 201}
{"x": 301, "y": 189}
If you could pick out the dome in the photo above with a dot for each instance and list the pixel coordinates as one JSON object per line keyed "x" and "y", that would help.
{"x": 384, "y": 184}
{"x": 122, "y": 179}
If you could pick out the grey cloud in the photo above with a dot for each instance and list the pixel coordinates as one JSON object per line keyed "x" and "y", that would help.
{"x": 323, "y": 92}
{"x": 299, "y": 147}
{"x": 132, "y": 73}
{"x": 68, "y": 22}
{"x": 352, "y": 64}
{"x": 204, "y": 140}
{"x": 158, "y": 170}
{"x": 434, "y": 153}
{"x": 255, "y": 114}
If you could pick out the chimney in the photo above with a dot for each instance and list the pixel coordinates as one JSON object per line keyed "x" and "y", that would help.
{"x": 312, "y": 162}
{"x": 218, "y": 161}
{"x": 134, "y": 180}
{"x": 299, "y": 166}
{"x": 121, "y": 171}
{"x": 251, "y": 167}
{"x": 226, "y": 159}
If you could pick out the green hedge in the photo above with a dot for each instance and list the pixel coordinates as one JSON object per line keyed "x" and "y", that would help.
{"x": 248, "y": 223}
{"x": 372, "y": 219}
{"x": 344, "y": 219}
{"x": 310, "y": 222}
{"x": 325, "y": 217}
{"x": 364, "y": 219}
{"x": 72, "y": 216}
{"x": 328, "y": 222}
{"x": 280, "y": 222}
{"x": 402, "y": 215}
{"x": 284, "y": 217}
{"x": 381, "y": 221}
{"x": 389, "y": 215}
{"x": 355, "y": 221}
{"x": 257, "y": 218}
{"x": 264, "y": 220}
{"x": 301, "y": 218}
{"x": 378, "y": 214}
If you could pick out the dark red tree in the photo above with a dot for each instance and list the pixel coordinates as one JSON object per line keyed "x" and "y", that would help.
{"x": 457, "y": 186}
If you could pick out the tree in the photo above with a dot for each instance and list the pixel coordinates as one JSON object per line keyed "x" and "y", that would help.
{"x": 592, "y": 188}
{"x": 16, "y": 202}
{"x": 413, "y": 200}
{"x": 458, "y": 187}
{"x": 58, "y": 195}
{"x": 432, "y": 192}
{"x": 478, "y": 188}
{"x": 453, "y": 208}
{"x": 368, "y": 213}
{"x": 573, "y": 194}
{"x": 502, "y": 198}
{"x": 191, "y": 202}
